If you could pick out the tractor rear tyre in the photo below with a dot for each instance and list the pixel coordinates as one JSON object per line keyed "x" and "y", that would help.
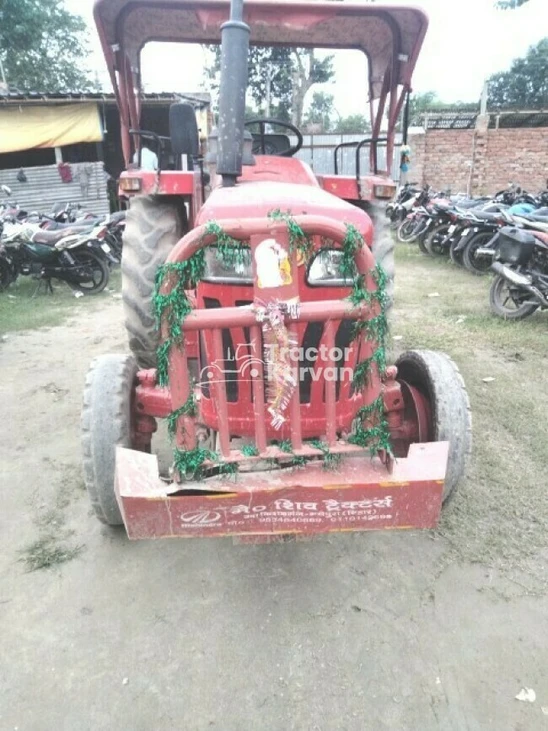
{"x": 153, "y": 227}
{"x": 106, "y": 424}
{"x": 439, "y": 380}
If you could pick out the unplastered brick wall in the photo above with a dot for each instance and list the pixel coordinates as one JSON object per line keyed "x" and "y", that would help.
{"x": 485, "y": 161}
{"x": 518, "y": 156}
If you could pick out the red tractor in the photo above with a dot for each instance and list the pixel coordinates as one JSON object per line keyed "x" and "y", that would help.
{"x": 256, "y": 299}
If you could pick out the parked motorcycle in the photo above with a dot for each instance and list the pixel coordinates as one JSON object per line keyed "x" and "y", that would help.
{"x": 404, "y": 202}
{"x": 520, "y": 262}
{"x": 70, "y": 256}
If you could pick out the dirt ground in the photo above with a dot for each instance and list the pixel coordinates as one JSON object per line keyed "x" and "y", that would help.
{"x": 376, "y": 631}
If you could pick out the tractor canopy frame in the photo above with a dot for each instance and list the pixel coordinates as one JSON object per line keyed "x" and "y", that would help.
{"x": 390, "y": 36}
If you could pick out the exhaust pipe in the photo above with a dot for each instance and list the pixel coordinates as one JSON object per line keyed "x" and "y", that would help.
{"x": 234, "y": 71}
{"x": 520, "y": 280}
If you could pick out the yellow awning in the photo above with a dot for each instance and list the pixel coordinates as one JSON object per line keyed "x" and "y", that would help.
{"x": 23, "y": 128}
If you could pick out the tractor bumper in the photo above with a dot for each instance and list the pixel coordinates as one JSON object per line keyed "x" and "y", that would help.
{"x": 359, "y": 495}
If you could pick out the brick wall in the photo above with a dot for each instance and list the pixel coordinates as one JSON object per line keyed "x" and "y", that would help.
{"x": 486, "y": 159}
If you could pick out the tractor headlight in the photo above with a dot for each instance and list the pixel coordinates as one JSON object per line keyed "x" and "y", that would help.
{"x": 325, "y": 270}
{"x": 228, "y": 266}
{"x": 384, "y": 191}
{"x": 131, "y": 185}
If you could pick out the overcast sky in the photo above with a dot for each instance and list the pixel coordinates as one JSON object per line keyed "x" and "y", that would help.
{"x": 467, "y": 41}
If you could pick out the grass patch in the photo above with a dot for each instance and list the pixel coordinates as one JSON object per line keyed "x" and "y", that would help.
{"x": 499, "y": 515}
{"x": 19, "y": 310}
{"x": 53, "y": 545}
{"x": 47, "y": 552}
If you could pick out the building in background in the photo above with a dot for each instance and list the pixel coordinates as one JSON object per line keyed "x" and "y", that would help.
{"x": 66, "y": 147}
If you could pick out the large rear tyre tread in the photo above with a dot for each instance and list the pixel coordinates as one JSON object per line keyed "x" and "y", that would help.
{"x": 439, "y": 379}
{"x": 153, "y": 227}
{"x": 106, "y": 424}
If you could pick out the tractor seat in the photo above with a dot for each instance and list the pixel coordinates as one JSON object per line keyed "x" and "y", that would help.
{"x": 50, "y": 238}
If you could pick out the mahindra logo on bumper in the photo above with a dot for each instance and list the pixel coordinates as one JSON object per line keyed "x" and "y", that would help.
{"x": 201, "y": 517}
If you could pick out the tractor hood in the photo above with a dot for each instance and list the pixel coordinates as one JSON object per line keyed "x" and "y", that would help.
{"x": 259, "y": 199}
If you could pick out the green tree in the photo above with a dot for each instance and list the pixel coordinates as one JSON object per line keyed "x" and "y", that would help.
{"x": 307, "y": 70}
{"x": 320, "y": 111}
{"x": 42, "y": 46}
{"x": 269, "y": 80}
{"x": 421, "y": 104}
{"x": 525, "y": 85}
{"x": 353, "y": 124}
{"x": 279, "y": 79}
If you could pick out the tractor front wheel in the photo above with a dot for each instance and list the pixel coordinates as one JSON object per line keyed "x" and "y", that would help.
{"x": 153, "y": 227}
{"x": 106, "y": 424}
{"x": 437, "y": 378}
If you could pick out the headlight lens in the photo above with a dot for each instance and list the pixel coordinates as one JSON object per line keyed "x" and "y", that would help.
{"x": 131, "y": 185}
{"x": 228, "y": 267}
{"x": 325, "y": 270}
{"x": 384, "y": 191}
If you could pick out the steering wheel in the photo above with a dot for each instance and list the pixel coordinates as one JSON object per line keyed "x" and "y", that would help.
{"x": 266, "y": 147}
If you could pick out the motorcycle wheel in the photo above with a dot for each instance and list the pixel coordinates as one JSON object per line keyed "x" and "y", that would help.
{"x": 455, "y": 256}
{"x": 504, "y": 299}
{"x": 406, "y": 232}
{"x": 477, "y": 265}
{"x": 100, "y": 272}
{"x": 433, "y": 242}
{"x": 420, "y": 241}
{"x": 6, "y": 274}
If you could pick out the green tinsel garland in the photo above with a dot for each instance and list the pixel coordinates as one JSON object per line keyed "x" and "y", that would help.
{"x": 232, "y": 252}
{"x": 189, "y": 462}
{"x": 353, "y": 242}
{"x": 287, "y": 447}
{"x": 298, "y": 240}
{"x": 189, "y": 408}
{"x": 330, "y": 461}
{"x": 376, "y": 437}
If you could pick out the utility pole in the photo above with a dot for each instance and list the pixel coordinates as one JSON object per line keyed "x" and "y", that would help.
{"x": 484, "y": 97}
{"x": 271, "y": 73}
{"x": 4, "y": 84}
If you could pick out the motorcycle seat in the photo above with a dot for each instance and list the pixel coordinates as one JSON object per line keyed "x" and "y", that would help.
{"x": 485, "y": 216}
{"x": 43, "y": 236}
{"x": 470, "y": 203}
{"x": 535, "y": 217}
{"x": 117, "y": 217}
{"x": 50, "y": 225}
